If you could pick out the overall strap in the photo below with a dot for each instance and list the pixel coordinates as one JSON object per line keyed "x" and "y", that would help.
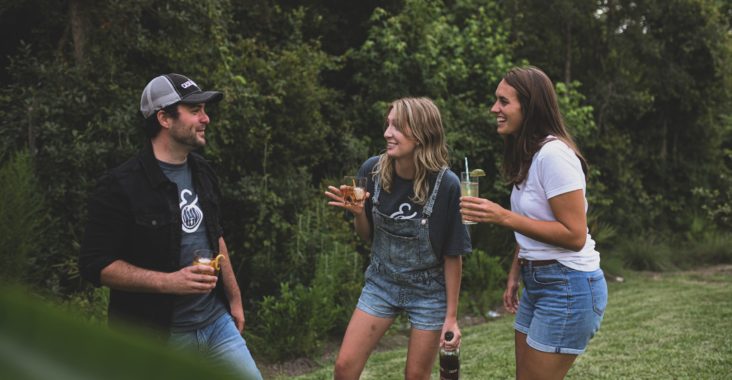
{"x": 427, "y": 211}
{"x": 377, "y": 189}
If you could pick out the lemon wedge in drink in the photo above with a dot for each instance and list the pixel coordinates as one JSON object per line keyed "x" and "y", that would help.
{"x": 217, "y": 262}
{"x": 477, "y": 173}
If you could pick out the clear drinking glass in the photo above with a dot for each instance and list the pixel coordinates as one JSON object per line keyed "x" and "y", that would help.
{"x": 468, "y": 188}
{"x": 354, "y": 190}
{"x": 208, "y": 257}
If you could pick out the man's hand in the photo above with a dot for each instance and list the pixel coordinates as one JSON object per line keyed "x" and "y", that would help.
{"x": 237, "y": 312}
{"x": 194, "y": 279}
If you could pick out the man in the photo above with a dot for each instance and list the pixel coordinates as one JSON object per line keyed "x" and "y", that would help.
{"x": 148, "y": 217}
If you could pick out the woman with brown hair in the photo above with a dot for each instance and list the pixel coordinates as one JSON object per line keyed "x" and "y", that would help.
{"x": 565, "y": 293}
{"x": 417, "y": 239}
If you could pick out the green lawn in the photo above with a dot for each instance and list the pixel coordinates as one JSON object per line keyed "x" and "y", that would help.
{"x": 669, "y": 326}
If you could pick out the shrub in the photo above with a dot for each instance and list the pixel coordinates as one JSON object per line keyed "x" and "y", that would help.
{"x": 22, "y": 217}
{"x": 323, "y": 255}
{"x": 287, "y": 325}
{"x": 612, "y": 265}
{"x": 483, "y": 283}
{"x": 715, "y": 249}
{"x": 91, "y": 303}
{"x": 645, "y": 253}
{"x": 319, "y": 309}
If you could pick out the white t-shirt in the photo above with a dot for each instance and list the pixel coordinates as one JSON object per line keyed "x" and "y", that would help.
{"x": 555, "y": 170}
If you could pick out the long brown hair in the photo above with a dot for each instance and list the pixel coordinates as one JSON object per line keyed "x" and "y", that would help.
{"x": 419, "y": 118}
{"x": 541, "y": 118}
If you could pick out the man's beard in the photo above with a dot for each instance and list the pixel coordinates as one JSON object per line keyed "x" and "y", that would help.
{"x": 185, "y": 137}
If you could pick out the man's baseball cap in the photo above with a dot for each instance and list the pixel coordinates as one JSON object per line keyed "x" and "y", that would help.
{"x": 170, "y": 89}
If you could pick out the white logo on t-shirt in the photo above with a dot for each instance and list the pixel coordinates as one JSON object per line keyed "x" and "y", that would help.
{"x": 190, "y": 214}
{"x": 403, "y": 209}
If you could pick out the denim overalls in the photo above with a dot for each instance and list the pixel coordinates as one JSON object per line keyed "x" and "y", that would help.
{"x": 405, "y": 273}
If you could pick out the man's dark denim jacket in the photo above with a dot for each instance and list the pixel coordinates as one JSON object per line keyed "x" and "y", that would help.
{"x": 134, "y": 216}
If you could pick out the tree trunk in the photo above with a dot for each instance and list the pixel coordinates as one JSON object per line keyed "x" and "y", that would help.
{"x": 568, "y": 51}
{"x": 31, "y": 127}
{"x": 77, "y": 18}
{"x": 664, "y": 142}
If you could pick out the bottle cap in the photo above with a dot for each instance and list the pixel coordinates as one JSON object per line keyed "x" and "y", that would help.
{"x": 449, "y": 335}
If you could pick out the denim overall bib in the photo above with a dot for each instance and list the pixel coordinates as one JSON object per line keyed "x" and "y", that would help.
{"x": 405, "y": 273}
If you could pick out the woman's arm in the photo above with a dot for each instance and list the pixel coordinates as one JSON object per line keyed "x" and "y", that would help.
{"x": 362, "y": 226}
{"x": 510, "y": 296}
{"x": 569, "y": 231}
{"x": 360, "y": 220}
{"x": 453, "y": 268}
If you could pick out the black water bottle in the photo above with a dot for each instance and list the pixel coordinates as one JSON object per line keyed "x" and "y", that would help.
{"x": 449, "y": 361}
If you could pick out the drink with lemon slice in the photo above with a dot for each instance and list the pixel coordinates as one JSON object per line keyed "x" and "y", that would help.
{"x": 469, "y": 185}
{"x": 206, "y": 257}
{"x": 354, "y": 190}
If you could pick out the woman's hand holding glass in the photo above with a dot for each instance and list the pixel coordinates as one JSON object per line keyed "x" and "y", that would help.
{"x": 337, "y": 196}
{"x": 482, "y": 210}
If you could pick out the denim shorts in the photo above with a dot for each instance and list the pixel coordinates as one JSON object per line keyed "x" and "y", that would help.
{"x": 420, "y": 295}
{"x": 560, "y": 308}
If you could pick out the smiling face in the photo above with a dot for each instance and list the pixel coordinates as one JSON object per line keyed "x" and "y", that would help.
{"x": 189, "y": 129}
{"x": 507, "y": 109}
{"x": 399, "y": 144}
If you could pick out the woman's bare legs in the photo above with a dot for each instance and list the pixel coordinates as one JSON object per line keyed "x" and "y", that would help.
{"x": 532, "y": 364}
{"x": 362, "y": 335}
{"x": 423, "y": 346}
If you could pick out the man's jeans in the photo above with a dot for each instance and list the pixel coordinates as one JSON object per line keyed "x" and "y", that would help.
{"x": 221, "y": 342}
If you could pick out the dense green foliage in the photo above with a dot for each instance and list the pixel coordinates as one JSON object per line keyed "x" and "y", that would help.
{"x": 657, "y": 74}
{"x": 645, "y": 87}
{"x": 22, "y": 218}
{"x": 483, "y": 282}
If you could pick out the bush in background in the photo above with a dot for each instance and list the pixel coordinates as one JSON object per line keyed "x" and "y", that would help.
{"x": 325, "y": 275}
{"x": 484, "y": 280}
{"x": 653, "y": 253}
{"x": 23, "y": 218}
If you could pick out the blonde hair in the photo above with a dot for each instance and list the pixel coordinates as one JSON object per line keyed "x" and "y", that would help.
{"x": 418, "y": 118}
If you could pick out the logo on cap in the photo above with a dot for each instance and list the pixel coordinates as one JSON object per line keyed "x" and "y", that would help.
{"x": 189, "y": 83}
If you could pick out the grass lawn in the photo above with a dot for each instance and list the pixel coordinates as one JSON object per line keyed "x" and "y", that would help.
{"x": 657, "y": 326}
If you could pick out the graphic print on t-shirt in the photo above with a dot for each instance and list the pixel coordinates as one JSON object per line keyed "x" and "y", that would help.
{"x": 404, "y": 208}
{"x": 190, "y": 214}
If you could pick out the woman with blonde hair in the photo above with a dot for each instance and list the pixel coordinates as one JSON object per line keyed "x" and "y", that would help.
{"x": 565, "y": 293}
{"x": 417, "y": 239}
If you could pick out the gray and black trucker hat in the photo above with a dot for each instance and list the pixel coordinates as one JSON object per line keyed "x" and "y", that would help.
{"x": 171, "y": 88}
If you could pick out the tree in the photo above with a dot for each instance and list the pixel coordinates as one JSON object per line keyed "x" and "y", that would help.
{"x": 658, "y": 74}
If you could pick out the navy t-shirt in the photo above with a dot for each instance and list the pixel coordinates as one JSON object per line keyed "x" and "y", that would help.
{"x": 448, "y": 235}
{"x": 195, "y": 310}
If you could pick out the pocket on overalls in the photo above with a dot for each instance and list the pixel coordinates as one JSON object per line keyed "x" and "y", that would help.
{"x": 401, "y": 251}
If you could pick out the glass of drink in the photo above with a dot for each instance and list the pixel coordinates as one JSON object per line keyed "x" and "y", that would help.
{"x": 468, "y": 188}
{"x": 207, "y": 257}
{"x": 354, "y": 190}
